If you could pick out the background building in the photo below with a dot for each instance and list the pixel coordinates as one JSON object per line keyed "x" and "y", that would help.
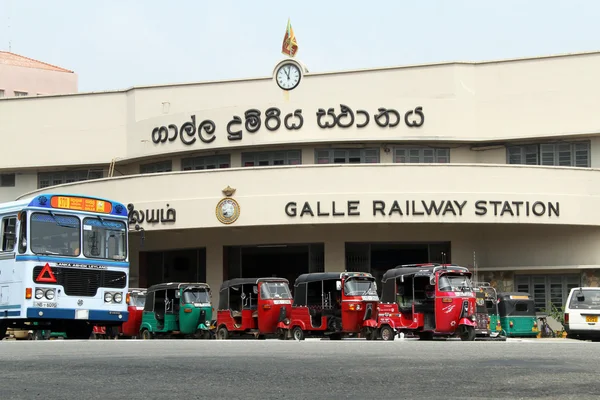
{"x": 21, "y": 77}
{"x": 493, "y": 164}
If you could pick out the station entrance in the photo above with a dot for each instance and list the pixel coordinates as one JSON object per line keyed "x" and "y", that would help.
{"x": 282, "y": 260}
{"x": 185, "y": 265}
{"x": 377, "y": 258}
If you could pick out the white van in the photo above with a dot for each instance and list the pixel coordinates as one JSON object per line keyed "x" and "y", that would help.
{"x": 582, "y": 313}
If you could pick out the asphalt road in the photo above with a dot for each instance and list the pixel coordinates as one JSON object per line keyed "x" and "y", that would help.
{"x": 352, "y": 369}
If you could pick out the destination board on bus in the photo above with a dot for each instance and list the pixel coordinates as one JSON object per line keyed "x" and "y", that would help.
{"x": 81, "y": 204}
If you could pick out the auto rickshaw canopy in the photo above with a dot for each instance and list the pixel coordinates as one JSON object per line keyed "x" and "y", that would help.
{"x": 235, "y": 283}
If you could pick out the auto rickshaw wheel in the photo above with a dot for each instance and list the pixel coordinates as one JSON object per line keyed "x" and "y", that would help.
{"x": 146, "y": 334}
{"x": 222, "y": 333}
{"x": 297, "y": 333}
{"x": 386, "y": 333}
{"x": 281, "y": 334}
{"x": 467, "y": 333}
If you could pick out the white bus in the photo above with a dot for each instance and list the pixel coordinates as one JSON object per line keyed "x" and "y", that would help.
{"x": 64, "y": 264}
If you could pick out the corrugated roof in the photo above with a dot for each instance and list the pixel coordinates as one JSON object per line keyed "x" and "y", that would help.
{"x": 8, "y": 58}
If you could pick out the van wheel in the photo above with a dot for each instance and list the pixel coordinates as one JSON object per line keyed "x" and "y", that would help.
{"x": 146, "y": 334}
{"x": 297, "y": 333}
{"x": 467, "y": 333}
{"x": 386, "y": 333}
{"x": 222, "y": 333}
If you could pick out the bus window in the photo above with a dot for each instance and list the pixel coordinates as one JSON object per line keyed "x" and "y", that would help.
{"x": 104, "y": 238}
{"x": 23, "y": 232}
{"x": 9, "y": 233}
{"x": 52, "y": 234}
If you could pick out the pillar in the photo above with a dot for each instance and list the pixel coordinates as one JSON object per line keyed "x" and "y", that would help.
{"x": 214, "y": 271}
{"x": 335, "y": 256}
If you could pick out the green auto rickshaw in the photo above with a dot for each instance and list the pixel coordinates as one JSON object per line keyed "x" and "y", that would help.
{"x": 516, "y": 312}
{"x": 177, "y": 309}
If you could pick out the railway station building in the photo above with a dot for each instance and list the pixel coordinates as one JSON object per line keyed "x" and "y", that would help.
{"x": 490, "y": 165}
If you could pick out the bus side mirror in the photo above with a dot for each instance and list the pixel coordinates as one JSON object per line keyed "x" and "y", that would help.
{"x": 338, "y": 285}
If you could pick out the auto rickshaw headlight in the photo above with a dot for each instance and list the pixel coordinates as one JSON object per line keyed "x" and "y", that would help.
{"x": 118, "y": 297}
{"x": 107, "y": 297}
{"x": 473, "y": 318}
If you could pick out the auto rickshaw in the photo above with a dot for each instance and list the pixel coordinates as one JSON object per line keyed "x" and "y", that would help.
{"x": 177, "y": 309}
{"x": 516, "y": 314}
{"x": 334, "y": 305}
{"x": 136, "y": 298}
{"x": 486, "y": 306}
{"x": 427, "y": 300}
{"x": 252, "y": 306}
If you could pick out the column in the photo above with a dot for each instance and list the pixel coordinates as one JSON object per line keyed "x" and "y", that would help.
{"x": 214, "y": 271}
{"x": 335, "y": 256}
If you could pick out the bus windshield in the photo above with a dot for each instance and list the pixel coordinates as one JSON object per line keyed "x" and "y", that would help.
{"x": 104, "y": 238}
{"x": 55, "y": 234}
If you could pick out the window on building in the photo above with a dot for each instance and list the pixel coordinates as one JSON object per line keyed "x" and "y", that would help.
{"x": 347, "y": 156}
{"x": 258, "y": 159}
{"x": 205, "y": 162}
{"x": 20, "y": 94}
{"x": 421, "y": 155}
{"x": 153, "y": 168}
{"x": 1, "y": 92}
{"x": 7, "y": 180}
{"x": 46, "y": 179}
{"x": 9, "y": 233}
{"x": 573, "y": 154}
{"x": 547, "y": 289}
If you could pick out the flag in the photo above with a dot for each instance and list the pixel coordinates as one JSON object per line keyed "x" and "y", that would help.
{"x": 290, "y": 45}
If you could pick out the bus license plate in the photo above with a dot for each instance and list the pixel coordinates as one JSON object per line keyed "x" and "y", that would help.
{"x": 44, "y": 304}
{"x": 591, "y": 318}
{"x": 82, "y": 314}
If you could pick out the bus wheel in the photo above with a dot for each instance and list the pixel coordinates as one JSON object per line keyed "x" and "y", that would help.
{"x": 467, "y": 333}
{"x": 386, "y": 333}
{"x": 297, "y": 333}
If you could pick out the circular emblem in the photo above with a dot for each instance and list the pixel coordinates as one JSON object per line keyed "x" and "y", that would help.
{"x": 228, "y": 210}
{"x": 79, "y": 302}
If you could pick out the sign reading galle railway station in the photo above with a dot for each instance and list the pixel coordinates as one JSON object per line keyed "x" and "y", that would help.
{"x": 423, "y": 208}
{"x": 206, "y": 130}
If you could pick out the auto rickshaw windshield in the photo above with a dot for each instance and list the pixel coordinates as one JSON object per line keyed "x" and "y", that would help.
{"x": 138, "y": 300}
{"x": 196, "y": 296}
{"x": 275, "y": 290}
{"x": 454, "y": 283}
{"x": 360, "y": 287}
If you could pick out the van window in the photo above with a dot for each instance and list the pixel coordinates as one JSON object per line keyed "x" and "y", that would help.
{"x": 590, "y": 300}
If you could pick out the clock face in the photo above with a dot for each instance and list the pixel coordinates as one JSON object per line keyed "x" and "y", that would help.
{"x": 288, "y": 76}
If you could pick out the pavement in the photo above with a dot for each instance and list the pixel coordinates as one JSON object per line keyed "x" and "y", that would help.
{"x": 311, "y": 369}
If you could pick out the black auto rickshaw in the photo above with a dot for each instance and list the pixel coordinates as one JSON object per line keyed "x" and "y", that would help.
{"x": 486, "y": 310}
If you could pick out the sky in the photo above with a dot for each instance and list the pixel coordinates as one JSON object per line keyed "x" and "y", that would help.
{"x": 117, "y": 44}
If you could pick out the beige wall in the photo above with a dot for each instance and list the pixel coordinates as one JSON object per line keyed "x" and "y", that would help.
{"x": 36, "y": 81}
{"x": 263, "y": 193}
{"x": 469, "y": 103}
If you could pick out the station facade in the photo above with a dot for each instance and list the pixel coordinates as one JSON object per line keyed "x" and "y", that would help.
{"x": 490, "y": 165}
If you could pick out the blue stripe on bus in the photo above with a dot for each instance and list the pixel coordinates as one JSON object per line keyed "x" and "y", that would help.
{"x": 69, "y": 313}
{"x": 10, "y": 306}
{"x": 10, "y": 314}
{"x": 86, "y": 261}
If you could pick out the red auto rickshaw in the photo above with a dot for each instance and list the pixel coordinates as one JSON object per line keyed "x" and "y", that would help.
{"x": 427, "y": 300}
{"x": 333, "y": 304}
{"x": 252, "y": 306}
{"x": 136, "y": 298}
